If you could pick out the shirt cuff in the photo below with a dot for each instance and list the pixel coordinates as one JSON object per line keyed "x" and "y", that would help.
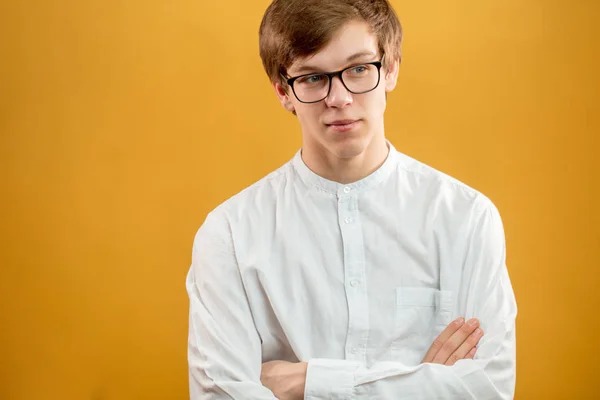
{"x": 475, "y": 379}
{"x": 330, "y": 379}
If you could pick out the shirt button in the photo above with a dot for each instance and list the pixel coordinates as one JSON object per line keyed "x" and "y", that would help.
{"x": 348, "y": 220}
{"x": 347, "y": 189}
{"x": 353, "y": 282}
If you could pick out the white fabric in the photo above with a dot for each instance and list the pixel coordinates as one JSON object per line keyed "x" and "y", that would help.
{"x": 355, "y": 279}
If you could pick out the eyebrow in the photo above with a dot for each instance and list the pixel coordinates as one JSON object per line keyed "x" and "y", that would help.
{"x": 311, "y": 68}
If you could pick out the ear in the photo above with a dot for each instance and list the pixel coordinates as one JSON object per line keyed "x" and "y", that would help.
{"x": 391, "y": 76}
{"x": 283, "y": 96}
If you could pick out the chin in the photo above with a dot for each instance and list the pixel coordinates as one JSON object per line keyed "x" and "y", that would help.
{"x": 350, "y": 147}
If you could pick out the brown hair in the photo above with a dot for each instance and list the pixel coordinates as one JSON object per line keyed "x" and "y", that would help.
{"x": 292, "y": 29}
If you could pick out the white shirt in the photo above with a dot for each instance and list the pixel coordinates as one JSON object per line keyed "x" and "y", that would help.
{"x": 355, "y": 279}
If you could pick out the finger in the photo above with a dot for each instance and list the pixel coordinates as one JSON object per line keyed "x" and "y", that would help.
{"x": 471, "y": 354}
{"x": 466, "y": 347}
{"x": 441, "y": 339}
{"x": 454, "y": 342}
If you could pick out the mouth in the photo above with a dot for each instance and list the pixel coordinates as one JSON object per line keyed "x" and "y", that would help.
{"x": 343, "y": 125}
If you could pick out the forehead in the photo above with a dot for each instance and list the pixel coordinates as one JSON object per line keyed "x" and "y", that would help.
{"x": 353, "y": 42}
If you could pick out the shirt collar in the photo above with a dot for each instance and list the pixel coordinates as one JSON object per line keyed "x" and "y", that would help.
{"x": 312, "y": 179}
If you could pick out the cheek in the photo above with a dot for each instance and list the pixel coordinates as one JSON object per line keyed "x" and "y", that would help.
{"x": 374, "y": 104}
{"x": 380, "y": 101}
{"x": 308, "y": 116}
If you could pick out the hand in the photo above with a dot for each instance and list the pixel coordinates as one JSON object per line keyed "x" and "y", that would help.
{"x": 285, "y": 379}
{"x": 456, "y": 342}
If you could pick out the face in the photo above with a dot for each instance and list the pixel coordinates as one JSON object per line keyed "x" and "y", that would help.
{"x": 343, "y": 125}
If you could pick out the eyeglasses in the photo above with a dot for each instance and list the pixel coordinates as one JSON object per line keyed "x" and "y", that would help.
{"x": 357, "y": 79}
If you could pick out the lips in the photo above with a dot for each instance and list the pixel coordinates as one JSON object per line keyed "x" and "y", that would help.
{"x": 341, "y": 122}
{"x": 343, "y": 125}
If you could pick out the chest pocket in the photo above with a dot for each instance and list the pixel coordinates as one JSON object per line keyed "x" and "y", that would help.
{"x": 421, "y": 315}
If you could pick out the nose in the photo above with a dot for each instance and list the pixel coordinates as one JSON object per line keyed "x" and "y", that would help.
{"x": 338, "y": 96}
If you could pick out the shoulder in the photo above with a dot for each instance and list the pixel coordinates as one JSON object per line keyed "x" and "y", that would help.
{"x": 446, "y": 196}
{"x": 257, "y": 197}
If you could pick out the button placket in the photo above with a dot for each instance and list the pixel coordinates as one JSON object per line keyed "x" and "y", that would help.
{"x": 354, "y": 264}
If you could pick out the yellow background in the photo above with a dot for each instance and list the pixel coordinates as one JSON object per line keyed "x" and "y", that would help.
{"x": 122, "y": 123}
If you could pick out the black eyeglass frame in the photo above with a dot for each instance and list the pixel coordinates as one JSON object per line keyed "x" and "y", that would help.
{"x": 331, "y": 75}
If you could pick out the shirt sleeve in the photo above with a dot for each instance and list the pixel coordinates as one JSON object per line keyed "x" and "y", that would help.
{"x": 224, "y": 348}
{"x": 485, "y": 293}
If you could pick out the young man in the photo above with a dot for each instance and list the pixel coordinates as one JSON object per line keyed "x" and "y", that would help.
{"x": 353, "y": 271}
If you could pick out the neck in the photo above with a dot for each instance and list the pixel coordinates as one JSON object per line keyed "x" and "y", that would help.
{"x": 350, "y": 169}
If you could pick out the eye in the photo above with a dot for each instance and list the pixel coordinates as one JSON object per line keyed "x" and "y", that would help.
{"x": 311, "y": 79}
{"x": 359, "y": 69}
